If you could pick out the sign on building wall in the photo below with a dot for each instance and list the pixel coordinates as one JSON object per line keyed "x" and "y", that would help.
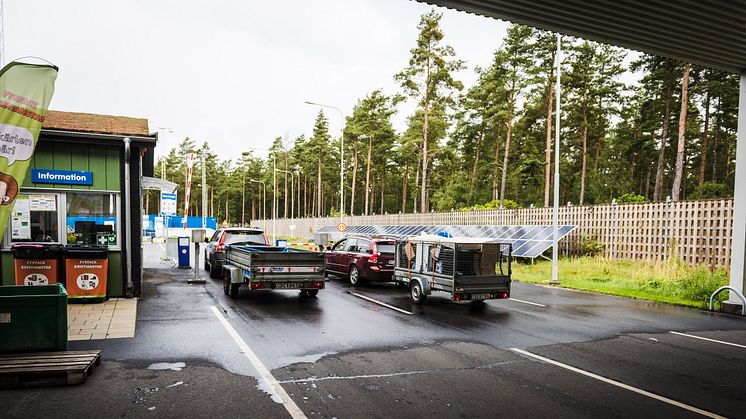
{"x": 64, "y": 177}
{"x": 25, "y": 92}
{"x": 168, "y": 204}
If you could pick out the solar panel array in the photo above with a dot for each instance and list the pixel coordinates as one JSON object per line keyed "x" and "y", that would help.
{"x": 527, "y": 241}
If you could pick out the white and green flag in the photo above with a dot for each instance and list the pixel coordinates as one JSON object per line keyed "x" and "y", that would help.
{"x": 25, "y": 92}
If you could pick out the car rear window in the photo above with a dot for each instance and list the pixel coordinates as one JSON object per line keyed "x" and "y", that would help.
{"x": 385, "y": 247}
{"x": 232, "y": 237}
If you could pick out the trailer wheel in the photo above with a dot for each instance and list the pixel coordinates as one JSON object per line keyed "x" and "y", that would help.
{"x": 415, "y": 292}
{"x": 233, "y": 291}
{"x": 226, "y": 283}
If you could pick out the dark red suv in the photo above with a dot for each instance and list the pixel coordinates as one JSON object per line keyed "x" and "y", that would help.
{"x": 362, "y": 258}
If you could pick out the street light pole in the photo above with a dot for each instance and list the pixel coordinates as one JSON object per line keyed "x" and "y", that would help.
{"x": 555, "y": 213}
{"x": 342, "y": 159}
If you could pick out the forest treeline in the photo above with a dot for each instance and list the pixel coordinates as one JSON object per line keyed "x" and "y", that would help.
{"x": 490, "y": 145}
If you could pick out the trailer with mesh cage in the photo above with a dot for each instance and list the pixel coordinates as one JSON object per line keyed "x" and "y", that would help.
{"x": 469, "y": 269}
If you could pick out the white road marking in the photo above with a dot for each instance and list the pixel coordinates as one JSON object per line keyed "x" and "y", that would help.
{"x": 267, "y": 376}
{"x": 526, "y": 302}
{"x": 352, "y": 377}
{"x": 381, "y": 303}
{"x": 618, "y": 384}
{"x": 708, "y": 339}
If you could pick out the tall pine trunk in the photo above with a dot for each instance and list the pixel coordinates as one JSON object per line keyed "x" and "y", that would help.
{"x": 506, "y": 157}
{"x": 286, "y": 185}
{"x": 496, "y": 172}
{"x": 425, "y": 135}
{"x": 404, "y": 181}
{"x": 676, "y": 188}
{"x": 383, "y": 186}
{"x": 416, "y": 182}
{"x": 705, "y": 131}
{"x": 548, "y": 135}
{"x": 318, "y": 187}
{"x": 715, "y": 143}
{"x": 354, "y": 182}
{"x": 664, "y": 134}
{"x": 366, "y": 209}
{"x": 474, "y": 167}
{"x": 585, "y": 156}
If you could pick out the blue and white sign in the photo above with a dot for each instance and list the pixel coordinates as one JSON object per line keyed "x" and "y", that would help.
{"x": 64, "y": 177}
{"x": 168, "y": 203}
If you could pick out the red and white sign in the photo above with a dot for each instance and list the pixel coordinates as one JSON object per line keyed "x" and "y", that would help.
{"x": 341, "y": 227}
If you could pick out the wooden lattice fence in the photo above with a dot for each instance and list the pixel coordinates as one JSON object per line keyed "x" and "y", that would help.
{"x": 696, "y": 232}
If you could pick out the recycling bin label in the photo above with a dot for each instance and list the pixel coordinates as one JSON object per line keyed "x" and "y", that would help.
{"x": 36, "y": 271}
{"x": 86, "y": 278}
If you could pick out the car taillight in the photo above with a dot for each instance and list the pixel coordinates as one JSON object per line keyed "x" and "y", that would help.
{"x": 316, "y": 284}
{"x": 221, "y": 244}
{"x": 458, "y": 297}
{"x": 266, "y": 239}
{"x": 257, "y": 285}
{"x": 374, "y": 253}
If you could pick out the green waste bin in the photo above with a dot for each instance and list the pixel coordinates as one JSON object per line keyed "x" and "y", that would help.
{"x": 33, "y": 319}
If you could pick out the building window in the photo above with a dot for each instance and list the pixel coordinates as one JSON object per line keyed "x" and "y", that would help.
{"x": 92, "y": 218}
{"x": 34, "y": 218}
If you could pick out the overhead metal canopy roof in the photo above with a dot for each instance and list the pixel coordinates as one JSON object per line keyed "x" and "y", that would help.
{"x": 708, "y": 33}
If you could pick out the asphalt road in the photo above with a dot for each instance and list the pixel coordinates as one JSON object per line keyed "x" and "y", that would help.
{"x": 569, "y": 354}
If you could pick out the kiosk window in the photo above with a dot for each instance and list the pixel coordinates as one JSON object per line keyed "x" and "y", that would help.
{"x": 91, "y": 218}
{"x": 34, "y": 219}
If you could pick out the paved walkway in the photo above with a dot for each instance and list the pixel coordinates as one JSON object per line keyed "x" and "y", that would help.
{"x": 108, "y": 320}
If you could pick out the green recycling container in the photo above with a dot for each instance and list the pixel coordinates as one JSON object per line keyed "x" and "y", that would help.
{"x": 33, "y": 319}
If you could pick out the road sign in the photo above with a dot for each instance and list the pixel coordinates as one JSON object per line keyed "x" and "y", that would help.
{"x": 341, "y": 227}
{"x": 168, "y": 203}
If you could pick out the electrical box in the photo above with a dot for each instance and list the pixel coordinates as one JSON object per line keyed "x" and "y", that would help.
{"x": 183, "y": 249}
{"x": 198, "y": 235}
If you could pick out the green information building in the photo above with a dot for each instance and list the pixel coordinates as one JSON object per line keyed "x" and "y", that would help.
{"x": 84, "y": 187}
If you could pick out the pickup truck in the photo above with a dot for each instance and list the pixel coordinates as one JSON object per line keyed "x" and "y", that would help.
{"x": 259, "y": 267}
{"x": 469, "y": 269}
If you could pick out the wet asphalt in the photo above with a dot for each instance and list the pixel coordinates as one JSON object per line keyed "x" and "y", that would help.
{"x": 338, "y": 355}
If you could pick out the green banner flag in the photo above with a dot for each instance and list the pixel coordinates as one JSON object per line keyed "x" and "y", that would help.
{"x": 25, "y": 92}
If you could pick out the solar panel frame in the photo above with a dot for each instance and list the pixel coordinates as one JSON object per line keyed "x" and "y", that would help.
{"x": 529, "y": 241}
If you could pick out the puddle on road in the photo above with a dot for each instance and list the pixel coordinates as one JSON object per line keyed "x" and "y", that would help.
{"x": 162, "y": 366}
{"x": 305, "y": 359}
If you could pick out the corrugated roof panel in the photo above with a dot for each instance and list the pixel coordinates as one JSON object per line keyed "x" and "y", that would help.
{"x": 708, "y": 33}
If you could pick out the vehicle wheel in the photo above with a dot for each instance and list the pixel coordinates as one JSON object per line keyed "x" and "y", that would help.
{"x": 415, "y": 292}
{"x": 354, "y": 276}
{"x": 226, "y": 284}
{"x": 233, "y": 291}
{"x": 311, "y": 293}
{"x": 214, "y": 271}
{"x": 207, "y": 265}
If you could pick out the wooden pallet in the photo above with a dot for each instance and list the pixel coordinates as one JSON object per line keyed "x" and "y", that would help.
{"x": 47, "y": 368}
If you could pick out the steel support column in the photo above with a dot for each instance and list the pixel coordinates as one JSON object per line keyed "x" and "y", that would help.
{"x": 738, "y": 248}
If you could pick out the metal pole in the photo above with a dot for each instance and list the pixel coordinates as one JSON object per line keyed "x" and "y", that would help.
{"x": 128, "y": 216}
{"x": 204, "y": 192}
{"x": 555, "y": 215}
{"x": 738, "y": 252}
{"x": 274, "y": 199}
{"x": 243, "y": 197}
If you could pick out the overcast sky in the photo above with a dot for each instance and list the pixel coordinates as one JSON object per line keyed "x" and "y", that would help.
{"x": 234, "y": 73}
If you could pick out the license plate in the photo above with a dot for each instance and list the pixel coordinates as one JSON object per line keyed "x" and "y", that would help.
{"x": 288, "y": 285}
{"x": 481, "y": 296}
